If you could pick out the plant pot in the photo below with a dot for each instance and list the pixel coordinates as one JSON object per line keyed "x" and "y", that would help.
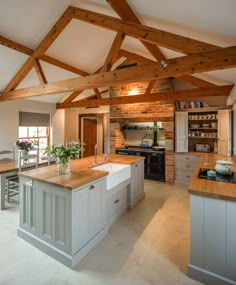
{"x": 63, "y": 168}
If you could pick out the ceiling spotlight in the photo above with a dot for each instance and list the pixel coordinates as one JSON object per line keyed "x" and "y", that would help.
{"x": 163, "y": 64}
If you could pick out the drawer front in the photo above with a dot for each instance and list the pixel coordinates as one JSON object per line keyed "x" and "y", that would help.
{"x": 186, "y": 165}
{"x": 187, "y": 158}
{"x": 116, "y": 200}
{"x": 183, "y": 176}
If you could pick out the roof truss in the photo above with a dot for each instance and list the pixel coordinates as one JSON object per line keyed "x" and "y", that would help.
{"x": 202, "y": 56}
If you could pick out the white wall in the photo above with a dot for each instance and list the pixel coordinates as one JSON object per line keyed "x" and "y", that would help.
{"x": 58, "y": 127}
{"x": 9, "y": 120}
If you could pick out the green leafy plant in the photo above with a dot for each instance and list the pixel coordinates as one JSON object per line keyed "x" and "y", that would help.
{"x": 64, "y": 154}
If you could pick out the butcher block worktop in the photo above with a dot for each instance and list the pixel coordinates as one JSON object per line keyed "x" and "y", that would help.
{"x": 209, "y": 188}
{"x": 81, "y": 174}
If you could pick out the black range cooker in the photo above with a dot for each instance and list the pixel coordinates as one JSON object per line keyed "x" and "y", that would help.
{"x": 154, "y": 163}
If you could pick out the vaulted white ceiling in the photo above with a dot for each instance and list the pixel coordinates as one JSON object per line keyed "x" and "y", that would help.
{"x": 86, "y": 46}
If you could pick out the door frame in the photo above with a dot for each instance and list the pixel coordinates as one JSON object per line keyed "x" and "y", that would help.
{"x": 92, "y": 116}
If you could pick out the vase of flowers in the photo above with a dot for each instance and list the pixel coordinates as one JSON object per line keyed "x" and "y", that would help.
{"x": 63, "y": 155}
{"x": 24, "y": 146}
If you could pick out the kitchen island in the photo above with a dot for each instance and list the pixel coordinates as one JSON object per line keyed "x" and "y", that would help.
{"x": 67, "y": 215}
{"x": 213, "y": 226}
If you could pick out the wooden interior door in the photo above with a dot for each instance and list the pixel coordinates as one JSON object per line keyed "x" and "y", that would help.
{"x": 89, "y": 136}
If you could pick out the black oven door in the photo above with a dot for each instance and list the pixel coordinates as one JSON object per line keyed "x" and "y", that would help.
{"x": 155, "y": 167}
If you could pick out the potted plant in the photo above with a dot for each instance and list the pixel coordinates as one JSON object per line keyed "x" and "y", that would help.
{"x": 24, "y": 146}
{"x": 63, "y": 155}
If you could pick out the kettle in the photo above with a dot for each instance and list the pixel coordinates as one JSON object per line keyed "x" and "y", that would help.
{"x": 147, "y": 140}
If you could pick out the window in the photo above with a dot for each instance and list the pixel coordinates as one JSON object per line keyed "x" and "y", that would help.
{"x": 40, "y": 136}
{"x": 35, "y": 127}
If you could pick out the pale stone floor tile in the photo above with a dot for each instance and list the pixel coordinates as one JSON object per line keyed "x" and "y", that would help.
{"x": 147, "y": 245}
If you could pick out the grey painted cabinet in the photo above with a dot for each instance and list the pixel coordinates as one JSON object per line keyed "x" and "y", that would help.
{"x": 89, "y": 216}
{"x": 66, "y": 224}
{"x": 212, "y": 240}
{"x": 137, "y": 182}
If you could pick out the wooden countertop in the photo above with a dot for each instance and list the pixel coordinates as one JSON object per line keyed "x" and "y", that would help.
{"x": 12, "y": 165}
{"x": 209, "y": 188}
{"x": 81, "y": 174}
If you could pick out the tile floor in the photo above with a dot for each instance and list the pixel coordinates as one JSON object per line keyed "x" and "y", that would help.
{"x": 148, "y": 245}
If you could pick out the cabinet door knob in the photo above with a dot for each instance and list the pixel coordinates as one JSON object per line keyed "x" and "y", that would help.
{"x": 136, "y": 165}
{"x": 116, "y": 201}
{"x": 91, "y": 187}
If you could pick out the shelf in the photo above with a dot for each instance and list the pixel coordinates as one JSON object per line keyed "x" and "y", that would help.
{"x": 203, "y": 128}
{"x": 200, "y": 137}
{"x": 144, "y": 130}
{"x": 202, "y": 119}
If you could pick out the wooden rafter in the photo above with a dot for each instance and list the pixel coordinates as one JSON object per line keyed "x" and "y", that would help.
{"x": 150, "y": 86}
{"x": 196, "y": 81}
{"x": 160, "y": 96}
{"x": 40, "y": 73}
{"x": 151, "y": 35}
{"x": 16, "y": 46}
{"x": 188, "y": 78}
{"x": 207, "y": 61}
{"x": 91, "y": 96}
{"x": 28, "y": 51}
{"x": 72, "y": 96}
{"x": 40, "y": 50}
{"x": 160, "y": 118}
{"x": 113, "y": 51}
{"x": 144, "y": 33}
{"x": 125, "y": 12}
{"x": 76, "y": 93}
{"x": 97, "y": 93}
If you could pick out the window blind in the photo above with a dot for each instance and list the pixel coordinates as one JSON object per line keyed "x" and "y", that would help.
{"x": 29, "y": 119}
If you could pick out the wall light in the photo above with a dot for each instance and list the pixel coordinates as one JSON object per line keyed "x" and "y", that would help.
{"x": 163, "y": 64}
{"x": 133, "y": 91}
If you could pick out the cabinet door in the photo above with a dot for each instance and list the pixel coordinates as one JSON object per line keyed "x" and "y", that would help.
{"x": 97, "y": 207}
{"x": 224, "y": 132}
{"x": 137, "y": 182}
{"x": 181, "y": 131}
{"x": 81, "y": 209}
{"x": 88, "y": 213}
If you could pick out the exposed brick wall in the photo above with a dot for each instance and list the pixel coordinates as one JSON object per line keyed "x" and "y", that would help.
{"x": 146, "y": 110}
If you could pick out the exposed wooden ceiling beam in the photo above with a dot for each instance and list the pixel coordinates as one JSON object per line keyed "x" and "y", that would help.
{"x": 40, "y": 50}
{"x": 113, "y": 51}
{"x": 97, "y": 93}
{"x": 151, "y": 35}
{"x": 196, "y": 81}
{"x": 160, "y": 96}
{"x": 125, "y": 12}
{"x": 91, "y": 96}
{"x": 72, "y": 96}
{"x": 63, "y": 65}
{"x": 40, "y": 73}
{"x": 188, "y": 78}
{"x": 160, "y": 118}
{"x": 207, "y": 61}
{"x": 16, "y": 46}
{"x": 150, "y": 86}
{"x": 135, "y": 57}
{"x": 28, "y": 51}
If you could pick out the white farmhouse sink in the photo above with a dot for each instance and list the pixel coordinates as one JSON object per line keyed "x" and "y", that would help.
{"x": 117, "y": 173}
